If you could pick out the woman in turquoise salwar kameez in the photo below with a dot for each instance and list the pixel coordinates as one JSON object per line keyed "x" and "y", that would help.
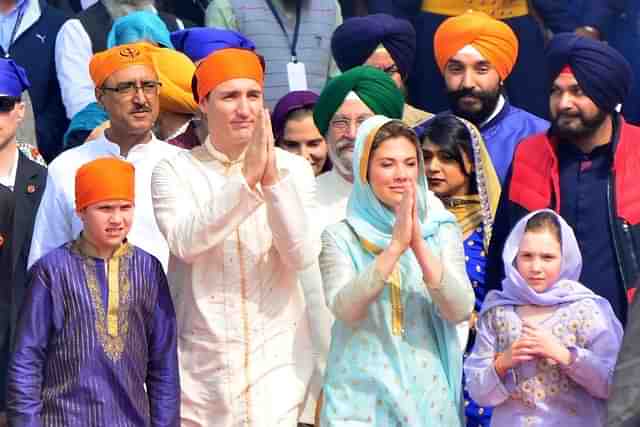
{"x": 394, "y": 277}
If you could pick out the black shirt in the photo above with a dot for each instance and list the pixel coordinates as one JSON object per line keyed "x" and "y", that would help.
{"x": 584, "y": 204}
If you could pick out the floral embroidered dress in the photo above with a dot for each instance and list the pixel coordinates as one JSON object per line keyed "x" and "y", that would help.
{"x": 541, "y": 393}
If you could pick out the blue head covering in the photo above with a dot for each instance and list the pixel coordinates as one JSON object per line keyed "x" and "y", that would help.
{"x": 357, "y": 38}
{"x": 198, "y": 43}
{"x": 373, "y": 221}
{"x": 13, "y": 78}
{"x": 601, "y": 71}
{"x": 138, "y": 26}
{"x": 370, "y": 218}
{"x": 85, "y": 120}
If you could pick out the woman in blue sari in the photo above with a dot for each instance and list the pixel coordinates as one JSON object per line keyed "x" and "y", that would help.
{"x": 394, "y": 278}
{"x": 460, "y": 173}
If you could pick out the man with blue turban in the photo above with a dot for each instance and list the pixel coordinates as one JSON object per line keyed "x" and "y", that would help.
{"x": 199, "y": 42}
{"x": 384, "y": 42}
{"x": 584, "y": 167}
{"x": 22, "y": 182}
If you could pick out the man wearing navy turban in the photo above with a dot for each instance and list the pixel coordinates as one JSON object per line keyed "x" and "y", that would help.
{"x": 384, "y": 42}
{"x": 584, "y": 167}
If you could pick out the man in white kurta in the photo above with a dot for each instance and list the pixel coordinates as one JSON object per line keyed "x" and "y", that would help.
{"x": 238, "y": 232}
{"x": 132, "y": 116}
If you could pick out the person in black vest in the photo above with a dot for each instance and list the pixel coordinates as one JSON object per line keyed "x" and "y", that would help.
{"x": 22, "y": 182}
{"x": 28, "y": 32}
{"x": 86, "y": 34}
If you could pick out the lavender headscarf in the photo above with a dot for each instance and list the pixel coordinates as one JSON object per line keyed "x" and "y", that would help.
{"x": 567, "y": 289}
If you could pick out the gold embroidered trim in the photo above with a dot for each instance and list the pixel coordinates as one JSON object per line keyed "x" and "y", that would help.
{"x": 247, "y": 332}
{"x": 397, "y": 309}
{"x": 113, "y": 287}
{"x": 395, "y": 290}
{"x": 113, "y": 328}
{"x": 366, "y": 152}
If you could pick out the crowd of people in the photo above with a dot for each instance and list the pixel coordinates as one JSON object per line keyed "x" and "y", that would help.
{"x": 302, "y": 213}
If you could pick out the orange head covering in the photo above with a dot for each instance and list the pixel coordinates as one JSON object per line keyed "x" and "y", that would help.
{"x": 494, "y": 39}
{"x": 106, "y": 178}
{"x": 175, "y": 71}
{"x": 107, "y": 62}
{"x": 227, "y": 64}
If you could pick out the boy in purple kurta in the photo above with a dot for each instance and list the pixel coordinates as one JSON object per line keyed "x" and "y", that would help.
{"x": 96, "y": 338}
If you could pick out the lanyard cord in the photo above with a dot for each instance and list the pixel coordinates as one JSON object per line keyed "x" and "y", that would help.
{"x": 292, "y": 43}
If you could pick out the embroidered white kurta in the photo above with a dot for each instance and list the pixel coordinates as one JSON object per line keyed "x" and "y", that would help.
{"x": 244, "y": 348}
{"x": 57, "y": 222}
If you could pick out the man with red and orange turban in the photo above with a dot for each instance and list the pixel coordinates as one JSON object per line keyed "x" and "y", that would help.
{"x": 96, "y": 336}
{"x": 476, "y": 54}
{"x": 236, "y": 212}
{"x": 128, "y": 87}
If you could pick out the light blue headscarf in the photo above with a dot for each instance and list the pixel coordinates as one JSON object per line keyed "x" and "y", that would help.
{"x": 137, "y": 26}
{"x": 373, "y": 221}
{"x": 370, "y": 218}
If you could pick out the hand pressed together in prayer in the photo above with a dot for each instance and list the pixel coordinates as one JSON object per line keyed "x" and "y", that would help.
{"x": 533, "y": 343}
{"x": 260, "y": 160}
{"x": 404, "y": 229}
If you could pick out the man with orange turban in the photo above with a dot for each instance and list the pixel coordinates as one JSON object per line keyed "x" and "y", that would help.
{"x": 236, "y": 212}
{"x": 127, "y": 87}
{"x": 526, "y": 81}
{"x": 177, "y": 106}
{"x": 96, "y": 336}
{"x": 476, "y": 55}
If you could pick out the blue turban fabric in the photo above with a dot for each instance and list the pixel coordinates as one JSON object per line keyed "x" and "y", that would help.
{"x": 85, "y": 121}
{"x": 13, "y": 78}
{"x": 601, "y": 71}
{"x": 199, "y": 42}
{"x": 356, "y": 39}
{"x": 138, "y": 26}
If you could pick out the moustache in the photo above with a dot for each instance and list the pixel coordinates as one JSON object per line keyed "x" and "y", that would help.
{"x": 141, "y": 110}
{"x": 344, "y": 144}
{"x": 456, "y": 95}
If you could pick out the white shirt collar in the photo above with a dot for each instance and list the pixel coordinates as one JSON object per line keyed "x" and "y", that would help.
{"x": 496, "y": 111}
{"x": 10, "y": 179}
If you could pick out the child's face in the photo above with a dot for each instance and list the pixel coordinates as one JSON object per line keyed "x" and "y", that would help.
{"x": 106, "y": 224}
{"x": 539, "y": 259}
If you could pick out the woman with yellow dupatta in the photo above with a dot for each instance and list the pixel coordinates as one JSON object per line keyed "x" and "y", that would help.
{"x": 394, "y": 278}
{"x": 460, "y": 173}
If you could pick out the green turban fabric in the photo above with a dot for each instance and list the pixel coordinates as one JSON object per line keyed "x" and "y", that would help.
{"x": 373, "y": 86}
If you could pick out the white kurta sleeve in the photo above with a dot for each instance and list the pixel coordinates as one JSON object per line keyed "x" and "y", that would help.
{"x": 53, "y": 223}
{"x": 192, "y": 229}
{"x": 348, "y": 292}
{"x": 290, "y": 204}
{"x": 73, "y": 53}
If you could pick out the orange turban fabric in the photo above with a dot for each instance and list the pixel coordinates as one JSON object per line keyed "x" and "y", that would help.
{"x": 494, "y": 39}
{"x": 105, "y": 63}
{"x": 175, "y": 71}
{"x": 106, "y": 178}
{"x": 227, "y": 64}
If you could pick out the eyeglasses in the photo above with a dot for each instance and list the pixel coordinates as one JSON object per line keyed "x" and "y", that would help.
{"x": 345, "y": 123}
{"x": 149, "y": 87}
{"x": 8, "y": 103}
{"x": 391, "y": 70}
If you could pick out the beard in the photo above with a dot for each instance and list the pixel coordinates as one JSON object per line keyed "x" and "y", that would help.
{"x": 585, "y": 127}
{"x": 341, "y": 156}
{"x": 488, "y": 101}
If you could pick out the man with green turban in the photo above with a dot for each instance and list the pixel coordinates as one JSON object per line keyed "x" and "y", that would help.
{"x": 346, "y": 101}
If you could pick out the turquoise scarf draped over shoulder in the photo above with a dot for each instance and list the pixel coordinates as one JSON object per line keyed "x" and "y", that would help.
{"x": 420, "y": 372}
